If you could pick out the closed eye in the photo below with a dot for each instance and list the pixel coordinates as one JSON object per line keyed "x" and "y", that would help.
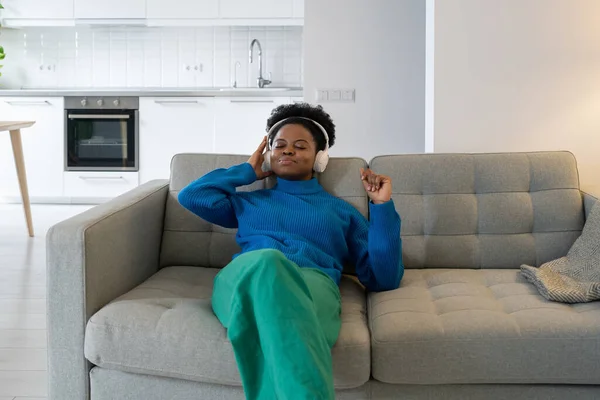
{"x": 300, "y": 145}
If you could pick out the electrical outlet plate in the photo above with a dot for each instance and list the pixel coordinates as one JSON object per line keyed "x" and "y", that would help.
{"x": 348, "y": 95}
{"x": 335, "y": 95}
{"x": 322, "y": 95}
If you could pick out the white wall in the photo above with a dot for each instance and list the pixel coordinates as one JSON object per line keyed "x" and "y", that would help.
{"x": 148, "y": 57}
{"x": 429, "y": 75}
{"x": 378, "y": 48}
{"x": 519, "y": 75}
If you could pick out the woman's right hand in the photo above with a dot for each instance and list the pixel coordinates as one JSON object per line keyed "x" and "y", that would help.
{"x": 257, "y": 158}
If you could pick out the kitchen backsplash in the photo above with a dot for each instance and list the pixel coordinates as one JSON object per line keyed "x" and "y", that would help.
{"x": 148, "y": 57}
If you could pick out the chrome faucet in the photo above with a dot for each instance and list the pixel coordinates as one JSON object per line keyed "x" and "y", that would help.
{"x": 262, "y": 82}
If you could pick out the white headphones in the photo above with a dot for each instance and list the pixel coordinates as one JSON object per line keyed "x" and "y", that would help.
{"x": 322, "y": 156}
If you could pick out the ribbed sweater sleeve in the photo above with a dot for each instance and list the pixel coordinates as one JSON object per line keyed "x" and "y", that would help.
{"x": 376, "y": 248}
{"x": 210, "y": 196}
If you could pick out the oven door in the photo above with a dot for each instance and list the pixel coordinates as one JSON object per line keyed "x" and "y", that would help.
{"x": 101, "y": 140}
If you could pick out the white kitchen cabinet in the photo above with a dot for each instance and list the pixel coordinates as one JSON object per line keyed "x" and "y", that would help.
{"x": 98, "y": 185}
{"x": 298, "y": 9}
{"x": 110, "y": 9}
{"x": 256, "y": 8}
{"x": 240, "y": 123}
{"x": 182, "y": 9}
{"x": 37, "y": 9}
{"x": 169, "y": 126}
{"x": 43, "y": 146}
{"x": 22, "y": 13}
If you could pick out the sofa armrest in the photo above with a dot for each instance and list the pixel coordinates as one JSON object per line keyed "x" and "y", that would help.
{"x": 92, "y": 258}
{"x": 590, "y": 197}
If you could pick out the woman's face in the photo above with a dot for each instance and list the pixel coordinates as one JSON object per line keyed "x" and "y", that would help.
{"x": 293, "y": 153}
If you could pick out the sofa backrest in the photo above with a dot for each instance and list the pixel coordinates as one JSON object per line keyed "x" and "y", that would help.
{"x": 485, "y": 210}
{"x": 189, "y": 240}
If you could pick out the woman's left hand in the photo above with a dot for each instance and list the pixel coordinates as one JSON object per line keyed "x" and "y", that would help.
{"x": 378, "y": 187}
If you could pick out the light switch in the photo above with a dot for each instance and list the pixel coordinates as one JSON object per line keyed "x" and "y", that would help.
{"x": 335, "y": 95}
{"x": 322, "y": 95}
{"x": 348, "y": 95}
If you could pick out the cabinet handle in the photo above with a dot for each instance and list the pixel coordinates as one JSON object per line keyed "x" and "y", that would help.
{"x": 98, "y": 178}
{"x": 176, "y": 101}
{"x": 29, "y": 103}
{"x": 251, "y": 101}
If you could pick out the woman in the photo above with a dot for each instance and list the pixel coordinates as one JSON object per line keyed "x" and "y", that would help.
{"x": 279, "y": 297}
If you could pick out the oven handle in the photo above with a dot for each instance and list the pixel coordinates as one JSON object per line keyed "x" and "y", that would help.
{"x": 98, "y": 116}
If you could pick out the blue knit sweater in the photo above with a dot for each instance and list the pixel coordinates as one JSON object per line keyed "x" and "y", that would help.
{"x": 309, "y": 226}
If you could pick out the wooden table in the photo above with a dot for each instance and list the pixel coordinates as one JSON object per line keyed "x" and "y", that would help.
{"x": 14, "y": 127}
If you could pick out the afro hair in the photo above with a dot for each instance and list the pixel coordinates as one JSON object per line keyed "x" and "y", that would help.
{"x": 304, "y": 110}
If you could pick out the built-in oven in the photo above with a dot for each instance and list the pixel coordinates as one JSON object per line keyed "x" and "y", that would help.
{"x": 101, "y": 133}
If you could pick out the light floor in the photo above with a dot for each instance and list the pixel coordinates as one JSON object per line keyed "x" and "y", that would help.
{"x": 23, "y": 367}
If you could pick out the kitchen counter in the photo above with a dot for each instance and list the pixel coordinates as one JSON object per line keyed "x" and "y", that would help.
{"x": 157, "y": 92}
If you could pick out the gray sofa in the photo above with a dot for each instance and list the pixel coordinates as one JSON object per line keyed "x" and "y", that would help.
{"x": 129, "y": 286}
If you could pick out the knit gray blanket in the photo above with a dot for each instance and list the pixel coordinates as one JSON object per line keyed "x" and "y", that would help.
{"x": 574, "y": 278}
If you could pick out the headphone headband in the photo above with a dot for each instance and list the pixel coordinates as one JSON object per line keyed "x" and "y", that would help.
{"x": 325, "y": 134}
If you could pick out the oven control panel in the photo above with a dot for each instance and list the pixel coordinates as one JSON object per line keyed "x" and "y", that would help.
{"x": 102, "y": 103}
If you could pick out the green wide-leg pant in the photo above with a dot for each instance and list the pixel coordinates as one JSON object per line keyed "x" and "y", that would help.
{"x": 282, "y": 321}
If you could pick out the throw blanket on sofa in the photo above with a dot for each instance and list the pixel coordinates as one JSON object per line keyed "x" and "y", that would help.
{"x": 574, "y": 278}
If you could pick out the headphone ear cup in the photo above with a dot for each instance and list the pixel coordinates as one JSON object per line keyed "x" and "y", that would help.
{"x": 321, "y": 161}
{"x": 266, "y": 166}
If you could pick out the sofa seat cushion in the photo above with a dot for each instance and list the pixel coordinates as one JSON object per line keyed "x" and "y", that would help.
{"x": 166, "y": 327}
{"x": 460, "y": 326}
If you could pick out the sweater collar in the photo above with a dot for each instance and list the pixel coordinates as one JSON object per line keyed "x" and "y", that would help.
{"x": 298, "y": 187}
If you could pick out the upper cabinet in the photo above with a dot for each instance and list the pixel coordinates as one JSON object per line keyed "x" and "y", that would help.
{"x": 110, "y": 9}
{"x": 256, "y": 8}
{"x": 37, "y": 9}
{"x": 19, "y": 13}
{"x": 182, "y": 9}
{"x": 298, "y": 10}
